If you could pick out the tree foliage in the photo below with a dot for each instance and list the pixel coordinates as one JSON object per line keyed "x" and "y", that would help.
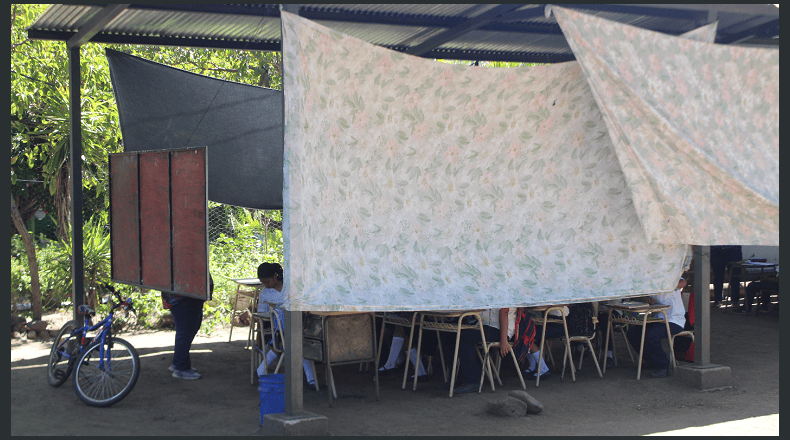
{"x": 40, "y": 150}
{"x": 40, "y": 107}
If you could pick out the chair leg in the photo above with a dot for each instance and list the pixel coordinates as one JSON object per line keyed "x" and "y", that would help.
{"x": 279, "y": 363}
{"x": 486, "y": 362}
{"x": 595, "y": 358}
{"x": 627, "y": 344}
{"x": 498, "y": 367}
{"x": 518, "y": 370}
{"x": 482, "y": 372}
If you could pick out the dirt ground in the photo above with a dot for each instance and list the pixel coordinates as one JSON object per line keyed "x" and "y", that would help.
{"x": 223, "y": 402}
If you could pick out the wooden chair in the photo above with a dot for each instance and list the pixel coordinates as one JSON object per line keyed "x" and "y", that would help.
{"x": 487, "y": 361}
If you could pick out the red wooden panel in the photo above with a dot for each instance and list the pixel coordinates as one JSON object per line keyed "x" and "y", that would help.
{"x": 124, "y": 218}
{"x": 190, "y": 241}
{"x": 155, "y": 219}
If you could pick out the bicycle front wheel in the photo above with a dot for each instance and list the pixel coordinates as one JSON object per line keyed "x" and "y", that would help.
{"x": 105, "y": 374}
{"x": 61, "y": 356}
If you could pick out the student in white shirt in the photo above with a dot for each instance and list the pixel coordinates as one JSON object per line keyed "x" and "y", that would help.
{"x": 653, "y": 352}
{"x": 274, "y": 290}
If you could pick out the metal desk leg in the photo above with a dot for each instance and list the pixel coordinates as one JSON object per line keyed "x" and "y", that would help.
{"x": 455, "y": 356}
{"x": 381, "y": 342}
{"x": 485, "y": 365}
{"x": 671, "y": 347}
{"x": 609, "y": 331}
{"x": 641, "y": 348}
{"x": 408, "y": 351}
{"x": 568, "y": 351}
{"x": 542, "y": 343}
{"x": 441, "y": 353}
{"x": 375, "y": 350}
{"x": 416, "y": 361}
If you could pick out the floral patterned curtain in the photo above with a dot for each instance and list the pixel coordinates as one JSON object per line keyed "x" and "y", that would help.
{"x": 695, "y": 126}
{"x": 413, "y": 184}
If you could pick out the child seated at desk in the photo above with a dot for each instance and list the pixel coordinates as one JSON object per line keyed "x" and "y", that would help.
{"x": 273, "y": 291}
{"x": 653, "y": 352}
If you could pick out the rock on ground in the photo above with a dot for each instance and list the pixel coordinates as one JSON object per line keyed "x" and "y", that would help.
{"x": 533, "y": 406}
{"x": 37, "y": 326}
{"x": 507, "y": 407}
{"x": 17, "y": 322}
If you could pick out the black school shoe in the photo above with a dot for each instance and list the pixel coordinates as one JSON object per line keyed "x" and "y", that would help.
{"x": 534, "y": 376}
{"x": 466, "y": 388}
{"x": 446, "y": 386}
{"x": 663, "y": 372}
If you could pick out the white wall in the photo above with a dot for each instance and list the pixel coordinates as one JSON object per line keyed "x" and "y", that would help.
{"x": 770, "y": 253}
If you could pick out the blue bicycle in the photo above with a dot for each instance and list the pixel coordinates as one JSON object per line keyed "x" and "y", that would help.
{"x": 105, "y": 367}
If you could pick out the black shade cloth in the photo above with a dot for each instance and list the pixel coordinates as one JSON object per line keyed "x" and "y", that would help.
{"x": 163, "y": 108}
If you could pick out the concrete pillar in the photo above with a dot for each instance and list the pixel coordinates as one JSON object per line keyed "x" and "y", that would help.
{"x": 702, "y": 374}
{"x": 295, "y": 421}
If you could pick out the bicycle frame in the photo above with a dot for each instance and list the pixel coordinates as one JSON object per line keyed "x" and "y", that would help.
{"x": 106, "y": 329}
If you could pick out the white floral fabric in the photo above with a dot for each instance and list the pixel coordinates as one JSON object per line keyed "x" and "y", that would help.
{"x": 695, "y": 127}
{"x": 417, "y": 185}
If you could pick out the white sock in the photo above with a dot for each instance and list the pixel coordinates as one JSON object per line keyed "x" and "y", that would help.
{"x": 308, "y": 371}
{"x": 609, "y": 354}
{"x": 395, "y": 349}
{"x": 543, "y": 367}
{"x": 532, "y": 362}
{"x": 271, "y": 356}
{"x": 420, "y": 369}
{"x": 401, "y": 359}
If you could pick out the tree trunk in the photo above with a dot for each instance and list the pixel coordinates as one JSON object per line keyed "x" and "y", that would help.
{"x": 63, "y": 203}
{"x": 31, "y": 260}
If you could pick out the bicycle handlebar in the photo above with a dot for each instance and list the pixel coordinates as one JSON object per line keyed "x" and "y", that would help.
{"x": 126, "y": 303}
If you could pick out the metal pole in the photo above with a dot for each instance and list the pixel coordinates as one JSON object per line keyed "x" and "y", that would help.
{"x": 701, "y": 305}
{"x": 294, "y": 403}
{"x": 75, "y": 139}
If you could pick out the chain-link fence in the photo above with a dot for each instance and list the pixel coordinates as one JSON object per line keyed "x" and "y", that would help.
{"x": 240, "y": 239}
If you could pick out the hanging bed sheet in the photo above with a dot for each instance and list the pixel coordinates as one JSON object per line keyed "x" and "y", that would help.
{"x": 695, "y": 126}
{"x": 415, "y": 184}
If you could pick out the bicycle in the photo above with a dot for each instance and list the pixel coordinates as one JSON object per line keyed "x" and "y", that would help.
{"x": 105, "y": 367}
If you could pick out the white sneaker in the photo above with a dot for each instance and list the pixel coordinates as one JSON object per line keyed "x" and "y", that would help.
{"x": 190, "y": 374}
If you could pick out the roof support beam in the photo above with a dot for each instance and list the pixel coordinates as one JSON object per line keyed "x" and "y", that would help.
{"x": 463, "y": 28}
{"x": 75, "y": 181}
{"x": 94, "y": 25}
{"x": 750, "y": 32}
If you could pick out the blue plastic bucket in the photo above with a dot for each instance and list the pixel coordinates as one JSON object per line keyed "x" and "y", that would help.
{"x": 272, "y": 389}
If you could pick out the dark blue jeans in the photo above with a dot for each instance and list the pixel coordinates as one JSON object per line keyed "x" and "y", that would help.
{"x": 719, "y": 257}
{"x": 187, "y": 315}
{"x": 653, "y": 352}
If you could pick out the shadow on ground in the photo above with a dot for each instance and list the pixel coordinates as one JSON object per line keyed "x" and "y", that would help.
{"x": 223, "y": 402}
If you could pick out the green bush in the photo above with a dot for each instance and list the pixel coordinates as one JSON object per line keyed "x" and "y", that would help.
{"x": 230, "y": 257}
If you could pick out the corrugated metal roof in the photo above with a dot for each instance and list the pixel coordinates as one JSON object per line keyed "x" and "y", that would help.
{"x": 462, "y": 31}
